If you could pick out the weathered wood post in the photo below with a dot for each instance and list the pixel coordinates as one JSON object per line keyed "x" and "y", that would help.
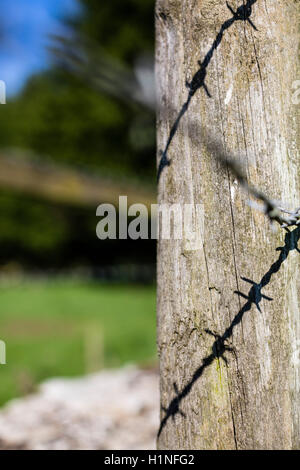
{"x": 228, "y": 312}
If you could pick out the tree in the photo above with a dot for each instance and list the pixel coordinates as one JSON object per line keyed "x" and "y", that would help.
{"x": 228, "y": 312}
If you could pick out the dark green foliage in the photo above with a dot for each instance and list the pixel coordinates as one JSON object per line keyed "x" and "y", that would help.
{"x": 123, "y": 28}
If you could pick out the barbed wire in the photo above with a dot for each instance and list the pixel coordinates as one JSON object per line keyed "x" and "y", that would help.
{"x": 274, "y": 211}
{"x": 111, "y": 77}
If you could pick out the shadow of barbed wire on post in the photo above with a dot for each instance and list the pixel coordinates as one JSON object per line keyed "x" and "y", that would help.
{"x": 221, "y": 345}
{"x": 243, "y": 13}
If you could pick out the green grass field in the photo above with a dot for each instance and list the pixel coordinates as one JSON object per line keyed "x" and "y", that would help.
{"x": 69, "y": 328}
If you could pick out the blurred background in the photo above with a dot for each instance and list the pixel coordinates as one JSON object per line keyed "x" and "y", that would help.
{"x": 77, "y": 130}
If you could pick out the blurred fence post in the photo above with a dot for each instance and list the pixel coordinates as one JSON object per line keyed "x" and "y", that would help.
{"x": 2, "y": 92}
{"x": 94, "y": 348}
{"x": 2, "y": 352}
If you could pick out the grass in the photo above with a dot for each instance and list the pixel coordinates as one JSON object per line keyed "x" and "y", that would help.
{"x": 71, "y": 328}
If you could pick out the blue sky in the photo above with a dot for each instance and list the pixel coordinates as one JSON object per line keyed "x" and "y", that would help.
{"x": 25, "y": 26}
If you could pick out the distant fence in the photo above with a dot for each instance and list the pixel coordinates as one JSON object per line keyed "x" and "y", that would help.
{"x": 2, "y": 352}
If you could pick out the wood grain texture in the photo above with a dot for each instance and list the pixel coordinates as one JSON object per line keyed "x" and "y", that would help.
{"x": 243, "y": 282}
